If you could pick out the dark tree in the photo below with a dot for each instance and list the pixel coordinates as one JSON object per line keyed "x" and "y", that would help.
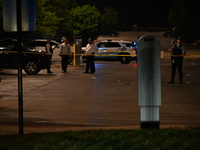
{"x": 184, "y": 15}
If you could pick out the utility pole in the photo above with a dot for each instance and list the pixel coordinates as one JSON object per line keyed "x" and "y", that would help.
{"x": 14, "y": 22}
{"x": 20, "y": 84}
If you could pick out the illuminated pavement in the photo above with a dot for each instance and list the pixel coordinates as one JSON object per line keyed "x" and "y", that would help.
{"x": 104, "y": 100}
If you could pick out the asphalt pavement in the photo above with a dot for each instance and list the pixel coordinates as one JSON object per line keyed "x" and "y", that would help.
{"x": 104, "y": 100}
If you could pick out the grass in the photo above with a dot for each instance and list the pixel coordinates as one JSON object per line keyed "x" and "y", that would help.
{"x": 163, "y": 139}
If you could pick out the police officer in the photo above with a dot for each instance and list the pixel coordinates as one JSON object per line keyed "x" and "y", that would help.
{"x": 90, "y": 51}
{"x": 49, "y": 51}
{"x": 177, "y": 52}
{"x": 65, "y": 53}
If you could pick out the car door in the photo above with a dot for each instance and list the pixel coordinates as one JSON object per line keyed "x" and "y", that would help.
{"x": 108, "y": 50}
{"x": 1, "y": 53}
{"x": 130, "y": 48}
{"x": 55, "y": 46}
{"x": 40, "y": 46}
{"x": 9, "y": 55}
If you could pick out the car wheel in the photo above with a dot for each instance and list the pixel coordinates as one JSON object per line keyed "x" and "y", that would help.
{"x": 32, "y": 67}
{"x": 112, "y": 35}
{"x": 198, "y": 46}
{"x": 124, "y": 59}
{"x": 169, "y": 35}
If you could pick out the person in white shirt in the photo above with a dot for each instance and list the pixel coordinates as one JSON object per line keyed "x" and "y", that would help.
{"x": 90, "y": 51}
{"x": 65, "y": 53}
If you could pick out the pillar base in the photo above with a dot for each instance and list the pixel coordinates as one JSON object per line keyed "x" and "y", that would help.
{"x": 150, "y": 125}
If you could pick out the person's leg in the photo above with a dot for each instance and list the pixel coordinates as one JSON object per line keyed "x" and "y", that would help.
{"x": 87, "y": 65}
{"x": 179, "y": 65}
{"x": 92, "y": 65}
{"x": 64, "y": 62}
{"x": 173, "y": 71}
{"x": 173, "y": 67}
{"x": 49, "y": 66}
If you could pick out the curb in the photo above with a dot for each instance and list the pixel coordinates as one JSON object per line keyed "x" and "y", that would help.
{"x": 8, "y": 129}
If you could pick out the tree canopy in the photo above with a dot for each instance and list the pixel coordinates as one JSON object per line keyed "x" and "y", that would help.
{"x": 109, "y": 18}
{"x": 184, "y": 15}
{"x": 56, "y": 18}
{"x": 83, "y": 19}
{"x": 47, "y": 21}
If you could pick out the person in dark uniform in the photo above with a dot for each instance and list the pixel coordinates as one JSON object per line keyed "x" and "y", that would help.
{"x": 177, "y": 52}
{"x": 90, "y": 51}
{"x": 49, "y": 51}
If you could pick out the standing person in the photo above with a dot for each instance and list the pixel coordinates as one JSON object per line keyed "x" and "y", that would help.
{"x": 65, "y": 53}
{"x": 49, "y": 51}
{"x": 177, "y": 52}
{"x": 90, "y": 51}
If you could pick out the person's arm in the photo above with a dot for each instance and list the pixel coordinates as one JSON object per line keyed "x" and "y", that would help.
{"x": 87, "y": 49}
{"x": 69, "y": 50}
{"x": 183, "y": 51}
{"x": 171, "y": 48}
{"x": 60, "y": 50}
{"x": 95, "y": 48}
{"x": 48, "y": 48}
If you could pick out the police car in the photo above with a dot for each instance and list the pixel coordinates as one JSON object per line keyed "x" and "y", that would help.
{"x": 123, "y": 51}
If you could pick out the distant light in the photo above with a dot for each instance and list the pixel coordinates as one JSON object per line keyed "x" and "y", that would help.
{"x": 101, "y": 48}
{"x": 10, "y": 15}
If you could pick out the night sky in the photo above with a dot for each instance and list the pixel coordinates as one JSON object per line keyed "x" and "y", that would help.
{"x": 141, "y": 12}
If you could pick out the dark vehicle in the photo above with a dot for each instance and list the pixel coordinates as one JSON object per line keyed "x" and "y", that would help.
{"x": 108, "y": 33}
{"x": 168, "y": 34}
{"x": 32, "y": 61}
{"x": 198, "y": 45}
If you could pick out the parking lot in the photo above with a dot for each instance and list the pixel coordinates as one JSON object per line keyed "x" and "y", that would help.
{"x": 106, "y": 99}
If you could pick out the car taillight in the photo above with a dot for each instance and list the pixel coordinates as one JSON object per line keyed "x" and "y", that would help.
{"x": 134, "y": 50}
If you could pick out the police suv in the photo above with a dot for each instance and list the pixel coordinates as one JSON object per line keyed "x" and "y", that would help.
{"x": 123, "y": 51}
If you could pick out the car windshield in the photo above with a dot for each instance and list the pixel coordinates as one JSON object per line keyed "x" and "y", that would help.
{"x": 10, "y": 45}
{"x": 108, "y": 44}
{"x": 33, "y": 44}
